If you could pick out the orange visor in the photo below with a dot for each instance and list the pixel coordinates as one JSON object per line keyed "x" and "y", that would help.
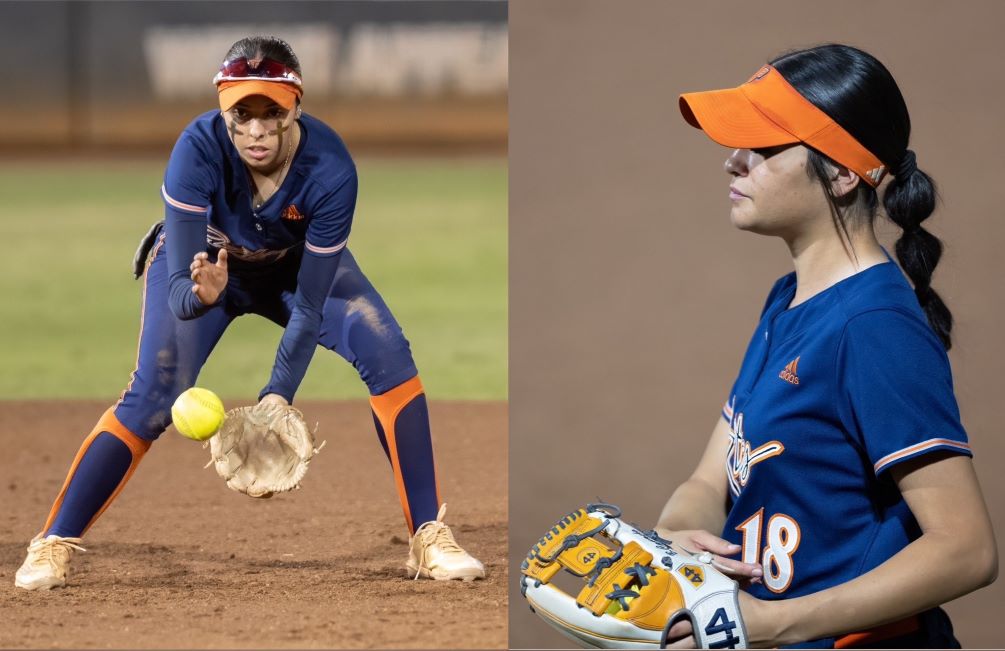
{"x": 767, "y": 112}
{"x": 282, "y": 93}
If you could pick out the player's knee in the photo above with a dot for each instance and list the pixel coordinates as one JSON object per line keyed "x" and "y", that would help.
{"x": 385, "y": 366}
{"x": 146, "y": 408}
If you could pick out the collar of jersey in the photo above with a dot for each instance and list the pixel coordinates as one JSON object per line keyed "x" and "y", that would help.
{"x": 793, "y": 321}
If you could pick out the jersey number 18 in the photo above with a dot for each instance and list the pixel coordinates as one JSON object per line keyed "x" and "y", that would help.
{"x": 782, "y": 542}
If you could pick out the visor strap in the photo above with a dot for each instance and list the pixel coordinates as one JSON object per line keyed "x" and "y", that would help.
{"x": 781, "y": 103}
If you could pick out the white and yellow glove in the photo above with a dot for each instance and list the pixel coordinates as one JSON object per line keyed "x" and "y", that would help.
{"x": 635, "y": 586}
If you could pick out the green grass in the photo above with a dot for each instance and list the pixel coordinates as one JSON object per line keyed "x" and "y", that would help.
{"x": 430, "y": 235}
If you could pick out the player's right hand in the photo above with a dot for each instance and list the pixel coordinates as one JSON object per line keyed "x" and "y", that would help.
{"x": 210, "y": 278}
{"x": 697, "y": 540}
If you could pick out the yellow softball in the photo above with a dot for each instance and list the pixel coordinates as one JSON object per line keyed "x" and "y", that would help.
{"x": 197, "y": 414}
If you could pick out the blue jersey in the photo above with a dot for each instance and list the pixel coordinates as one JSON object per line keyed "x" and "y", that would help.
{"x": 206, "y": 177}
{"x": 299, "y": 232}
{"x": 832, "y": 393}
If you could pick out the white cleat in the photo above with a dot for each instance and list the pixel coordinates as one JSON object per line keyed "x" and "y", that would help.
{"x": 434, "y": 554}
{"x": 47, "y": 564}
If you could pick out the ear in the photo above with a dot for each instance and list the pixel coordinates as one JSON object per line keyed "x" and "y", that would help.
{"x": 844, "y": 181}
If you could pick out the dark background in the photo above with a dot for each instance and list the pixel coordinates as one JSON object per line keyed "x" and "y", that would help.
{"x": 80, "y": 71}
{"x": 632, "y": 296}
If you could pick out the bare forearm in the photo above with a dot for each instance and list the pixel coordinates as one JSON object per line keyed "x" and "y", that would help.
{"x": 914, "y": 580}
{"x": 694, "y": 505}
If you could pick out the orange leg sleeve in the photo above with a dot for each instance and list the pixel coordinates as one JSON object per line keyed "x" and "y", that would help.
{"x": 386, "y": 407}
{"x": 137, "y": 446}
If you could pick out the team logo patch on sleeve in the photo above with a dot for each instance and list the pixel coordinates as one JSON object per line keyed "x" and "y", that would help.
{"x": 292, "y": 214}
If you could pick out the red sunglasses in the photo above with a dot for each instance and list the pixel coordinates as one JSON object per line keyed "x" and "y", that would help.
{"x": 264, "y": 69}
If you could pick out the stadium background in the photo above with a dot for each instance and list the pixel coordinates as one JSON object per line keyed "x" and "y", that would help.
{"x": 634, "y": 298}
{"x": 95, "y": 95}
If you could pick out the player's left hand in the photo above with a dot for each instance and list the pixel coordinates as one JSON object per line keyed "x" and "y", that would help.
{"x": 757, "y": 616}
{"x": 210, "y": 278}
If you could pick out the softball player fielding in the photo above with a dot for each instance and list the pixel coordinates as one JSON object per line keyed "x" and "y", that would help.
{"x": 848, "y": 492}
{"x": 259, "y": 200}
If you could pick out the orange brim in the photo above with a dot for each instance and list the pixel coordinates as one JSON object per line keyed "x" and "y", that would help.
{"x": 284, "y": 94}
{"x": 732, "y": 120}
{"x": 767, "y": 111}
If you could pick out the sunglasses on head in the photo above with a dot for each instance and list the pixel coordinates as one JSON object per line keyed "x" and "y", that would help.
{"x": 264, "y": 69}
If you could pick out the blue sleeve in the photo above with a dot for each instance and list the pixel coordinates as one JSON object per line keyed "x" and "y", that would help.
{"x": 296, "y": 348}
{"x": 896, "y": 389}
{"x": 327, "y": 235}
{"x": 188, "y": 186}
{"x": 329, "y": 228}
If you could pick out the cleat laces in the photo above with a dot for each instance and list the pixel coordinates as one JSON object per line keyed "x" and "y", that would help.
{"x": 44, "y": 550}
{"x": 436, "y": 532}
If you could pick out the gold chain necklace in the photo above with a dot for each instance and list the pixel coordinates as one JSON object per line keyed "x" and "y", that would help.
{"x": 279, "y": 179}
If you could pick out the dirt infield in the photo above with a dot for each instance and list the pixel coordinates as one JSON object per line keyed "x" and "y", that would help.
{"x": 179, "y": 561}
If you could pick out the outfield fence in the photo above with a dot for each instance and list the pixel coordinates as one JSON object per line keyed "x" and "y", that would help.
{"x": 129, "y": 75}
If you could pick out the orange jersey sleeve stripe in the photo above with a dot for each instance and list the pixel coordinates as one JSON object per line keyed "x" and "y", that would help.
{"x": 326, "y": 250}
{"x": 187, "y": 207}
{"x": 916, "y": 448}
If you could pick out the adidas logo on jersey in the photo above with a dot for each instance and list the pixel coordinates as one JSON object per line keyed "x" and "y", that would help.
{"x": 292, "y": 214}
{"x": 789, "y": 372}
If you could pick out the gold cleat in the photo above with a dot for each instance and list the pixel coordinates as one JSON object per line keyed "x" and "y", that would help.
{"x": 434, "y": 554}
{"x": 47, "y": 564}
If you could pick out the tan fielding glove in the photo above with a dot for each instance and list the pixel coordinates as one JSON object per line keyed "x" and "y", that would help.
{"x": 263, "y": 449}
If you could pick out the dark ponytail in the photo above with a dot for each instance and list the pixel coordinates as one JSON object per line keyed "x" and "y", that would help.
{"x": 909, "y": 199}
{"x": 860, "y": 94}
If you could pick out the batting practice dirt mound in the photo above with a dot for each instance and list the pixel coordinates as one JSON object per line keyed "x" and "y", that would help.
{"x": 180, "y": 561}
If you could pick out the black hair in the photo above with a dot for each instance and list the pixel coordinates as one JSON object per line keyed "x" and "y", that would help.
{"x": 860, "y": 94}
{"x": 271, "y": 47}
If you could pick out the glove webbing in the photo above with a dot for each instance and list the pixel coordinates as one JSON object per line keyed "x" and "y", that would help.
{"x": 599, "y": 596}
{"x": 540, "y": 564}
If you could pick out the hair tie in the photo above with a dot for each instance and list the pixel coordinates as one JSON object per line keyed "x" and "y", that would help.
{"x": 907, "y": 166}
